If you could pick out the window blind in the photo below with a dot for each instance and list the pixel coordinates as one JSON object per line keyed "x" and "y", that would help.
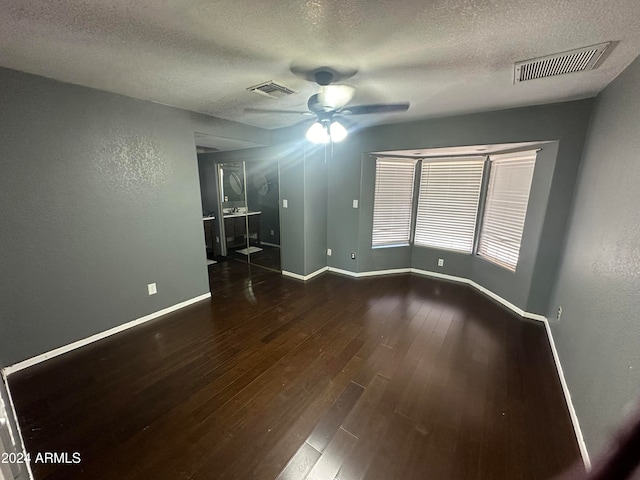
{"x": 393, "y": 202}
{"x": 448, "y": 203}
{"x": 506, "y": 207}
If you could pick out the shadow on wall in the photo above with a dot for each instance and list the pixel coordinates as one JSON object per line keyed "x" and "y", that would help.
{"x": 263, "y": 195}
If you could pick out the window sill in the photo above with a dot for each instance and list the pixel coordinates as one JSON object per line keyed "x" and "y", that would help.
{"x": 376, "y": 247}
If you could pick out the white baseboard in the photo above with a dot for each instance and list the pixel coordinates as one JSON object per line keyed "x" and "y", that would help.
{"x": 304, "y": 277}
{"x": 343, "y": 272}
{"x": 486, "y": 291}
{"x": 443, "y": 276}
{"x": 99, "y": 336}
{"x": 372, "y": 273}
{"x": 567, "y": 395}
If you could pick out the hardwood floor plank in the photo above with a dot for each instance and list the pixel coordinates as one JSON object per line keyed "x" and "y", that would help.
{"x": 380, "y": 378}
{"x": 389, "y": 459}
{"x": 302, "y": 426}
{"x": 367, "y": 423}
{"x": 301, "y": 464}
{"x": 330, "y": 423}
{"x": 331, "y": 460}
{"x": 360, "y": 417}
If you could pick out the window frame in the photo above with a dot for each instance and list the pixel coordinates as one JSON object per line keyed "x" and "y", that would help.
{"x": 482, "y": 201}
{"x": 399, "y": 160}
{"x": 458, "y": 160}
{"x": 505, "y": 157}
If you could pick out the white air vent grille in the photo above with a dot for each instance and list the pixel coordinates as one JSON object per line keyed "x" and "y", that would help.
{"x": 271, "y": 89}
{"x": 559, "y": 64}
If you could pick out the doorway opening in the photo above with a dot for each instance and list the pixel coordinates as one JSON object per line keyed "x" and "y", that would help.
{"x": 241, "y": 207}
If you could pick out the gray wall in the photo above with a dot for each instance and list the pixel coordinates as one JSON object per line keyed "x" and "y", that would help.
{"x": 292, "y": 256}
{"x": 208, "y": 187}
{"x": 352, "y": 174}
{"x": 99, "y": 195}
{"x": 598, "y": 336}
{"x": 268, "y": 204}
{"x": 315, "y": 209}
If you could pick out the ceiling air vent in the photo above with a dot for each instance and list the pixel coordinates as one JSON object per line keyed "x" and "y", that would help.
{"x": 566, "y": 62}
{"x": 271, "y": 89}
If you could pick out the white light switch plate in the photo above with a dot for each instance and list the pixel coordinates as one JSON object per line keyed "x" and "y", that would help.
{"x": 153, "y": 289}
{"x": 355, "y": 204}
{"x": 285, "y": 204}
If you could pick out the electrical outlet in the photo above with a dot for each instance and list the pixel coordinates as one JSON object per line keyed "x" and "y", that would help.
{"x": 353, "y": 255}
{"x": 441, "y": 262}
{"x": 285, "y": 203}
{"x": 152, "y": 288}
{"x": 272, "y": 233}
{"x": 559, "y": 313}
{"x": 328, "y": 252}
{"x": 355, "y": 204}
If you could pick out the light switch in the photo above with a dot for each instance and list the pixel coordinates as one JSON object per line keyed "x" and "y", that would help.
{"x": 355, "y": 204}
{"x": 285, "y": 204}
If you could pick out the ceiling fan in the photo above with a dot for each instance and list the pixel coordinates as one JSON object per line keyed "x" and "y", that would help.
{"x": 332, "y": 101}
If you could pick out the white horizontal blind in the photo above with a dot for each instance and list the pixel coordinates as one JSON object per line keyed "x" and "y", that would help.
{"x": 393, "y": 202}
{"x": 448, "y": 203}
{"x": 506, "y": 207}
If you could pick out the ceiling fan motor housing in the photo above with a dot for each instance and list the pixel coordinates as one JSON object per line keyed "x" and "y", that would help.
{"x": 323, "y": 77}
{"x": 316, "y": 106}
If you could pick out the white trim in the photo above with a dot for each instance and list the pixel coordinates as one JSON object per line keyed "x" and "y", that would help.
{"x": 343, "y": 272}
{"x": 567, "y": 395}
{"x": 486, "y": 291}
{"x": 304, "y": 277}
{"x": 292, "y": 275}
{"x": 443, "y": 276}
{"x": 270, "y": 244}
{"x": 391, "y": 271}
{"x": 99, "y": 336}
{"x": 534, "y": 316}
{"x": 15, "y": 417}
{"x": 371, "y": 273}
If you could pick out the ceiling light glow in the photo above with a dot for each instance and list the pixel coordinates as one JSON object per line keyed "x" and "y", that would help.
{"x": 317, "y": 133}
{"x": 337, "y": 132}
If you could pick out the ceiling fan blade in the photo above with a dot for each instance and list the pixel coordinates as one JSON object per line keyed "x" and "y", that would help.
{"x": 375, "y": 108}
{"x": 267, "y": 110}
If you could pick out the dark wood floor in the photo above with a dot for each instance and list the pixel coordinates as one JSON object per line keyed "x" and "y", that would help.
{"x": 397, "y": 377}
{"x": 268, "y": 257}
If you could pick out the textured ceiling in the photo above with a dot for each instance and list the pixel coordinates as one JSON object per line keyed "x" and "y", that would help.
{"x": 444, "y": 56}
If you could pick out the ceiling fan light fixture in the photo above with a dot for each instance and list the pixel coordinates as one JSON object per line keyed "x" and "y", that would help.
{"x": 317, "y": 133}
{"x": 337, "y": 132}
{"x": 334, "y": 97}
